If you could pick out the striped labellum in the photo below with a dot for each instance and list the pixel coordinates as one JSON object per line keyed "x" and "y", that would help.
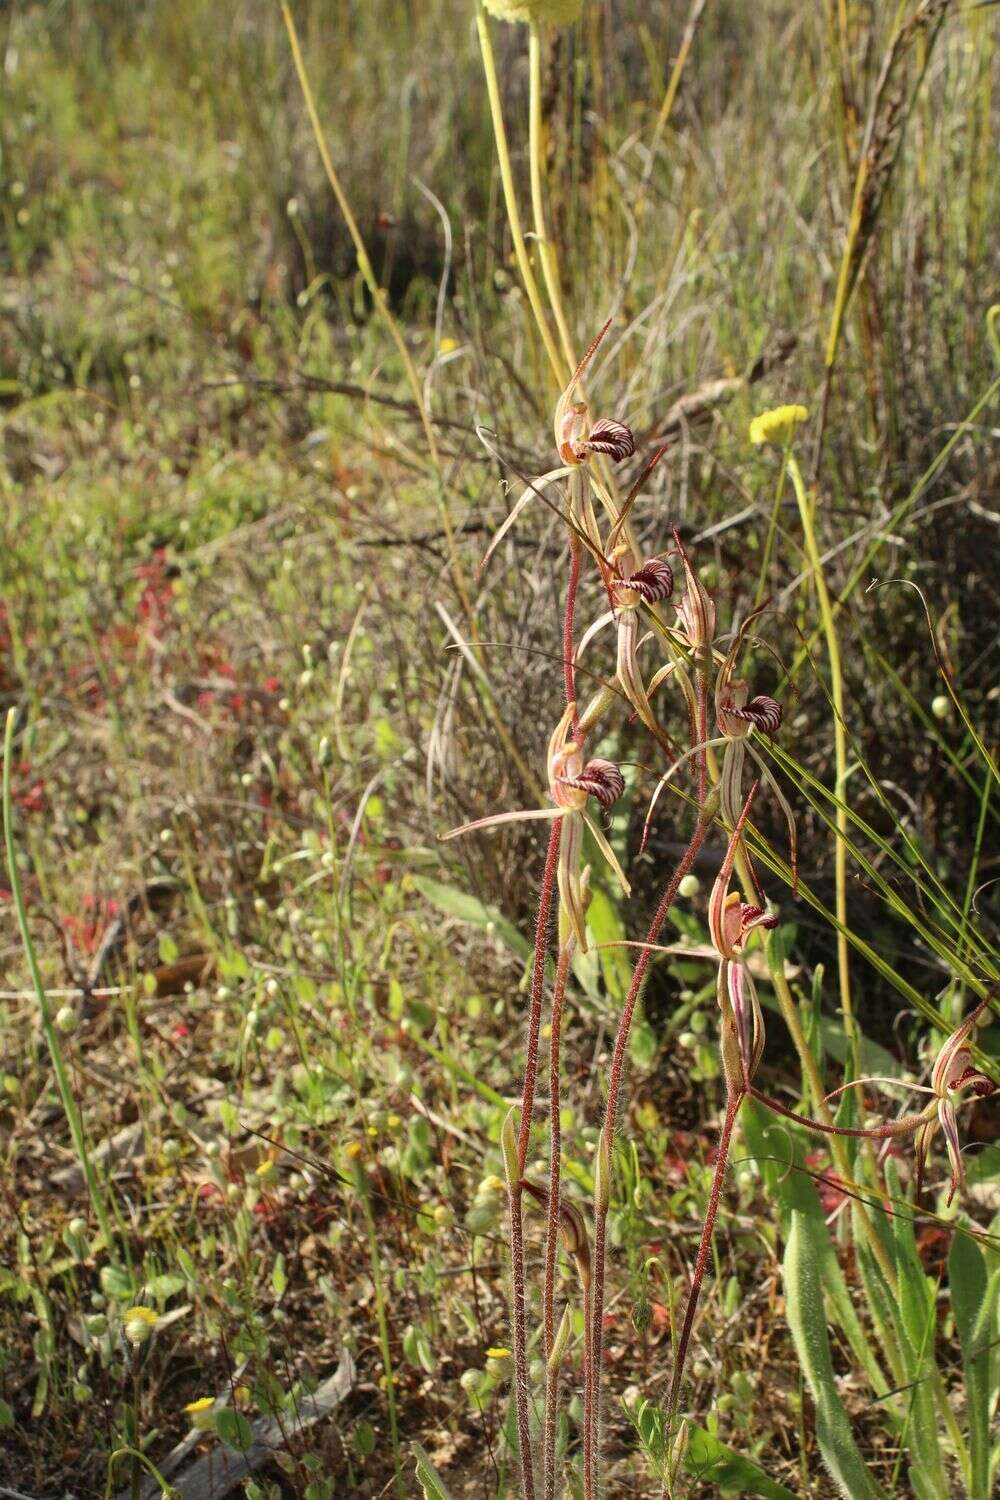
{"x": 610, "y": 437}
{"x": 653, "y": 581}
{"x": 762, "y": 712}
{"x": 599, "y": 778}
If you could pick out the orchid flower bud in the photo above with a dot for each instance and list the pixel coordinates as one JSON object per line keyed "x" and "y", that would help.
{"x": 696, "y": 609}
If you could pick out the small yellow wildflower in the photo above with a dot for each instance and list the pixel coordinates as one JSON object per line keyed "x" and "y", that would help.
{"x": 266, "y": 1167}
{"x": 446, "y": 346}
{"x": 199, "y": 1412}
{"x": 498, "y": 1363}
{"x": 776, "y": 425}
{"x": 354, "y": 1149}
{"x": 139, "y": 1323}
{"x": 558, "y": 12}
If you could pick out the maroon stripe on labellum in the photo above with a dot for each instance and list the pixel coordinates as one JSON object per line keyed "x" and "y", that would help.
{"x": 612, "y": 438}
{"x": 978, "y": 1082}
{"x": 653, "y": 581}
{"x": 762, "y": 712}
{"x": 601, "y": 779}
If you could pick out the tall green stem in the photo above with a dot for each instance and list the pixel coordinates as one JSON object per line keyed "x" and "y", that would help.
{"x": 510, "y": 200}
{"x": 840, "y": 750}
{"x": 546, "y": 249}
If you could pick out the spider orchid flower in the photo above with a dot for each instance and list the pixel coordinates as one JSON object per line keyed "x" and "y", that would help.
{"x": 736, "y": 714}
{"x": 572, "y": 781}
{"x": 730, "y": 923}
{"x": 954, "y": 1080}
{"x": 576, "y": 438}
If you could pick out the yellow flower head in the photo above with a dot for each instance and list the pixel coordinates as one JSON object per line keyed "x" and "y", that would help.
{"x": 139, "y": 1323}
{"x": 557, "y": 12}
{"x": 498, "y": 1353}
{"x": 776, "y": 425}
{"x": 203, "y": 1403}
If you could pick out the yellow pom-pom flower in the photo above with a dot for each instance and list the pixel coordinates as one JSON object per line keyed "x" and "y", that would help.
{"x": 777, "y": 425}
{"x": 556, "y": 12}
{"x": 139, "y": 1323}
{"x": 199, "y": 1411}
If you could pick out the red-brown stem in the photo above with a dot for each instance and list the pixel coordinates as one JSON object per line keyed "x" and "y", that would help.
{"x": 537, "y": 986}
{"x": 734, "y": 1099}
{"x": 524, "y": 1133}
{"x": 569, "y": 617}
{"x": 520, "y": 1343}
{"x": 592, "y": 1358}
{"x": 905, "y": 1125}
{"x": 552, "y": 1224}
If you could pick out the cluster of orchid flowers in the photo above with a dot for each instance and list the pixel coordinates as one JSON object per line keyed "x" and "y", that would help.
{"x": 638, "y": 590}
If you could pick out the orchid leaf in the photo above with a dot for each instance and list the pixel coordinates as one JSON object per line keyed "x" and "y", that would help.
{"x": 713, "y": 1462}
{"x": 465, "y": 907}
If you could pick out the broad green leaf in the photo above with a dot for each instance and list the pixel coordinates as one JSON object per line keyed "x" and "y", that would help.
{"x": 796, "y": 1191}
{"x": 974, "y": 1302}
{"x": 468, "y": 908}
{"x": 233, "y": 1428}
{"x": 605, "y": 923}
{"x": 918, "y": 1313}
{"x": 807, "y": 1320}
{"x": 732, "y": 1474}
{"x": 431, "y": 1483}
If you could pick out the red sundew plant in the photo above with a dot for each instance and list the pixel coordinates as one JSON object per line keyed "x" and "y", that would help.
{"x": 704, "y": 670}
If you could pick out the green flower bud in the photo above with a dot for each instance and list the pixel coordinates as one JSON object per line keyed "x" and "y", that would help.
{"x": 66, "y": 1020}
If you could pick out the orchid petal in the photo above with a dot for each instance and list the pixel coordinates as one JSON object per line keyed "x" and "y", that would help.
{"x": 528, "y": 815}
{"x": 520, "y": 504}
{"x": 609, "y": 853}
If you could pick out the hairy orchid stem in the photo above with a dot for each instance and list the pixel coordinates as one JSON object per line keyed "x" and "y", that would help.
{"x": 524, "y": 1134}
{"x": 552, "y": 1221}
{"x": 593, "y": 1356}
{"x": 734, "y": 1099}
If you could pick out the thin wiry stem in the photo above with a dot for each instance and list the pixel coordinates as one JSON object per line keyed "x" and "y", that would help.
{"x": 552, "y": 1224}
{"x": 734, "y": 1099}
{"x": 524, "y": 1133}
{"x": 592, "y": 1357}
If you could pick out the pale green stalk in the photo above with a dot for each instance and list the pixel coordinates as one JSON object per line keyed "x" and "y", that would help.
{"x": 510, "y": 199}
{"x": 546, "y": 247}
{"x": 840, "y": 749}
{"x": 63, "y": 1085}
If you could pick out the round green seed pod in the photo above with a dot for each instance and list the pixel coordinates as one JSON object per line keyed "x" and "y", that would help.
{"x": 555, "y": 12}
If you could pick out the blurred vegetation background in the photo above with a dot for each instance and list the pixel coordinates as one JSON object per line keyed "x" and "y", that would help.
{"x": 229, "y": 617}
